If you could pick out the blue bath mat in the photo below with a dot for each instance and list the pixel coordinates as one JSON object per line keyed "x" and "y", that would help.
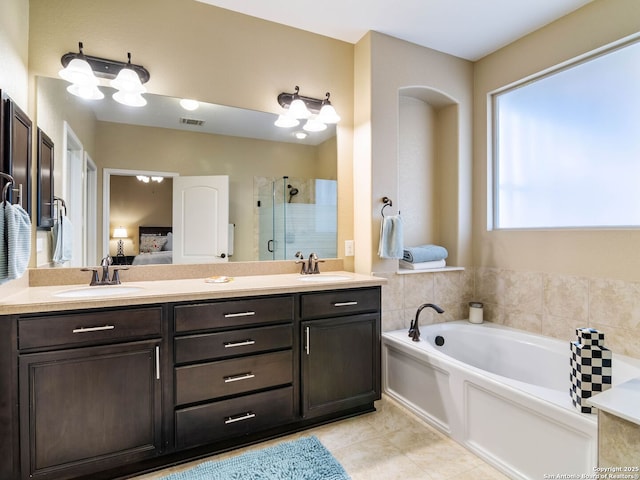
{"x": 303, "y": 459}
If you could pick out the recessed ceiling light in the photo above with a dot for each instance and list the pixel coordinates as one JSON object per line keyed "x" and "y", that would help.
{"x": 189, "y": 104}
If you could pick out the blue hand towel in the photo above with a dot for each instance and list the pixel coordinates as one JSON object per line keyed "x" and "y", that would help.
{"x": 17, "y": 228}
{"x": 391, "y": 237}
{"x": 62, "y": 240}
{"x": 4, "y": 255}
{"x": 425, "y": 253}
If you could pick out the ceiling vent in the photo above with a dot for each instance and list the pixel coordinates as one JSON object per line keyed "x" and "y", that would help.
{"x": 191, "y": 121}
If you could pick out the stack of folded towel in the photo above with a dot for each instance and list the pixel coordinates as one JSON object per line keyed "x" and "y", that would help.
{"x": 15, "y": 242}
{"x": 423, "y": 257}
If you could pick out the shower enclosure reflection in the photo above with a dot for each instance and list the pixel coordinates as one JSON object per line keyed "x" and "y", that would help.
{"x": 295, "y": 214}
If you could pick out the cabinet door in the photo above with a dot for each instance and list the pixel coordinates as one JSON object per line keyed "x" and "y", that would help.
{"x": 340, "y": 363}
{"x": 89, "y": 409}
{"x": 17, "y": 153}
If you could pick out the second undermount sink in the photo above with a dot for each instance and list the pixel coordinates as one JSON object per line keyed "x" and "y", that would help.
{"x": 98, "y": 291}
{"x": 323, "y": 278}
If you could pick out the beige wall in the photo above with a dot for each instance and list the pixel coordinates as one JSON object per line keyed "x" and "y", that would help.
{"x": 14, "y": 48}
{"x": 393, "y": 65}
{"x": 187, "y": 153}
{"x": 199, "y": 51}
{"x": 597, "y": 253}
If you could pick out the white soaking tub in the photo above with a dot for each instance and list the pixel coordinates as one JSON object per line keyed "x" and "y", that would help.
{"x": 502, "y": 393}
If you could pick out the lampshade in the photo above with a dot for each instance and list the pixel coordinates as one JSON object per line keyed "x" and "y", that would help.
{"x": 78, "y": 72}
{"x": 298, "y": 109}
{"x": 128, "y": 81}
{"x": 285, "y": 121}
{"x": 129, "y": 88}
{"x": 120, "y": 232}
{"x": 88, "y": 92}
{"x": 130, "y": 99}
{"x": 328, "y": 114}
{"x": 314, "y": 125}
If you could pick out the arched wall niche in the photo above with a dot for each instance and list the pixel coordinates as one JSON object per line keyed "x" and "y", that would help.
{"x": 428, "y": 162}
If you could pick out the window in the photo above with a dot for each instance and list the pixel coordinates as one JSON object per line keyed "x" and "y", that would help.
{"x": 567, "y": 146}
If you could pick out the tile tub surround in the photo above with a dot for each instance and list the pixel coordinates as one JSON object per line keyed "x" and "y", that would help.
{"x": 549, "y": 304}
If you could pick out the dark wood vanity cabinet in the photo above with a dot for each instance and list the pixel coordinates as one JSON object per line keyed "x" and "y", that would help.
{"x": 90, "y": 391}
{"x": 105, "y": 393}
{"x": 234, "y": 370}
{"x": 341, "y": 350}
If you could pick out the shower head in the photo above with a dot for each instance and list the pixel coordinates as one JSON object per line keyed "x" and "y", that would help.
{"x": 292, "y": 190}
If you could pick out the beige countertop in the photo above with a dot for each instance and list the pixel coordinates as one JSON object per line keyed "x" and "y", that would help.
{"x": 44, "y": 298}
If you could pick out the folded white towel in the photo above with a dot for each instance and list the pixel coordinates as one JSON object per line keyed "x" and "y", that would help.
{"x": 17, "y": 229}
{"x": 391, "y": 234}
{"x": 62, "y": 232}
{"x": 423, "y": 265}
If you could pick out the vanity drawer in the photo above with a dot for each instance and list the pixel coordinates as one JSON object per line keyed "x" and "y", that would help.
{"x": 233, "y": 313}
{"x": 207, "y": 381}
{"x": 229, "y": 418}
{"x": 209, "y": 346}
{"x": 340, "y": 302}
{"x": 93, "y": 327}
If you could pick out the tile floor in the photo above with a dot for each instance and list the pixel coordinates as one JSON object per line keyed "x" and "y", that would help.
{"x": 389, "y": 444}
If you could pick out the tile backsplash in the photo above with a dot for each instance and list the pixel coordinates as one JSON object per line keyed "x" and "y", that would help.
{"x": 544, "y": 303}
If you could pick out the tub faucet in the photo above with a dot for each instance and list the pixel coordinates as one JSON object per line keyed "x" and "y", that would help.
{"x": 414, "y": 331}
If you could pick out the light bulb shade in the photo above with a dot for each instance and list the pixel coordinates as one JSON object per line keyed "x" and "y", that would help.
{"x": 298, "y": 109}
{"x": 120, "y": 232}
{"x": 301, "y": 135}
{"x": 328, "y": 114}
{"x": 88, "y": 92}
{"x": 314, "y": 125}
{"x": 285, "y": 121}
{"x": 129, "y": 99}
{"x": 78, "y": 72}
{"x": 128, "y": 81}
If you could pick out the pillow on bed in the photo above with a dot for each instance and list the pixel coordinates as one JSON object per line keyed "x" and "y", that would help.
{"x": 151, "y": 243}
{"x": 168, "y": 245}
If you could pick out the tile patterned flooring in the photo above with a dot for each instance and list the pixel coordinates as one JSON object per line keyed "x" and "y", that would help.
{"x": 389, "y": 444}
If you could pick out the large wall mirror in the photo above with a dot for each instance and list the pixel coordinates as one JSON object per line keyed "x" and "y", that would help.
{"x": 282, "y": 189}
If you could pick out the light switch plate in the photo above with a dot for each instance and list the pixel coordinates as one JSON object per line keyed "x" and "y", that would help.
{"x": 348, "y": 248}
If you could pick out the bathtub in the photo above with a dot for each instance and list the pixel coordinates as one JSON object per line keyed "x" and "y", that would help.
{"x": 500, "y": 392}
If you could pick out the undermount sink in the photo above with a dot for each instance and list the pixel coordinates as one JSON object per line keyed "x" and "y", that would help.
{"x": 98, "y": 291}
{"x": 323, "y": 278}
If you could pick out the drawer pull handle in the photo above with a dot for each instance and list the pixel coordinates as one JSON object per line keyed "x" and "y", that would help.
{"x": 93, "y": 329}
{"x": 242, "y": 343}
{"x": 239, "y": 418}
{"x": 241, "y": 314}
{"x": 236, "y": 378}
{"x": 345, "y": 304}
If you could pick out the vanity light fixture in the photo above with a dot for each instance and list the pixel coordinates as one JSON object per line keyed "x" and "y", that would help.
{"x": 300, "y": 135}
{"x": 83, "y": 72}
{"x": 317, "y": 112}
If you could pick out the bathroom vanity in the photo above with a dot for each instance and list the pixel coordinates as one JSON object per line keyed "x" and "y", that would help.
{"x": 149, "y": 379}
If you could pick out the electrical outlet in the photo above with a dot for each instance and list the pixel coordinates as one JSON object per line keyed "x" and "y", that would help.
{"x": 348, "y": 248}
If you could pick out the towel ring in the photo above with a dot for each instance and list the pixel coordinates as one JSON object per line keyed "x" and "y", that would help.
{"x": 387, "y": 203}
{"x": 10, "y": 181}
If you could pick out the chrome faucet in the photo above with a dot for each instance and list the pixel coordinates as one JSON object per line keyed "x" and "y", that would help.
{"x": 105, "y": 263}
{"x": 414, "y": 331}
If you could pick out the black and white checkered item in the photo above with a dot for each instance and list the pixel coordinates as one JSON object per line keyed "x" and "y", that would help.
{"x": 590, "y": 367}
